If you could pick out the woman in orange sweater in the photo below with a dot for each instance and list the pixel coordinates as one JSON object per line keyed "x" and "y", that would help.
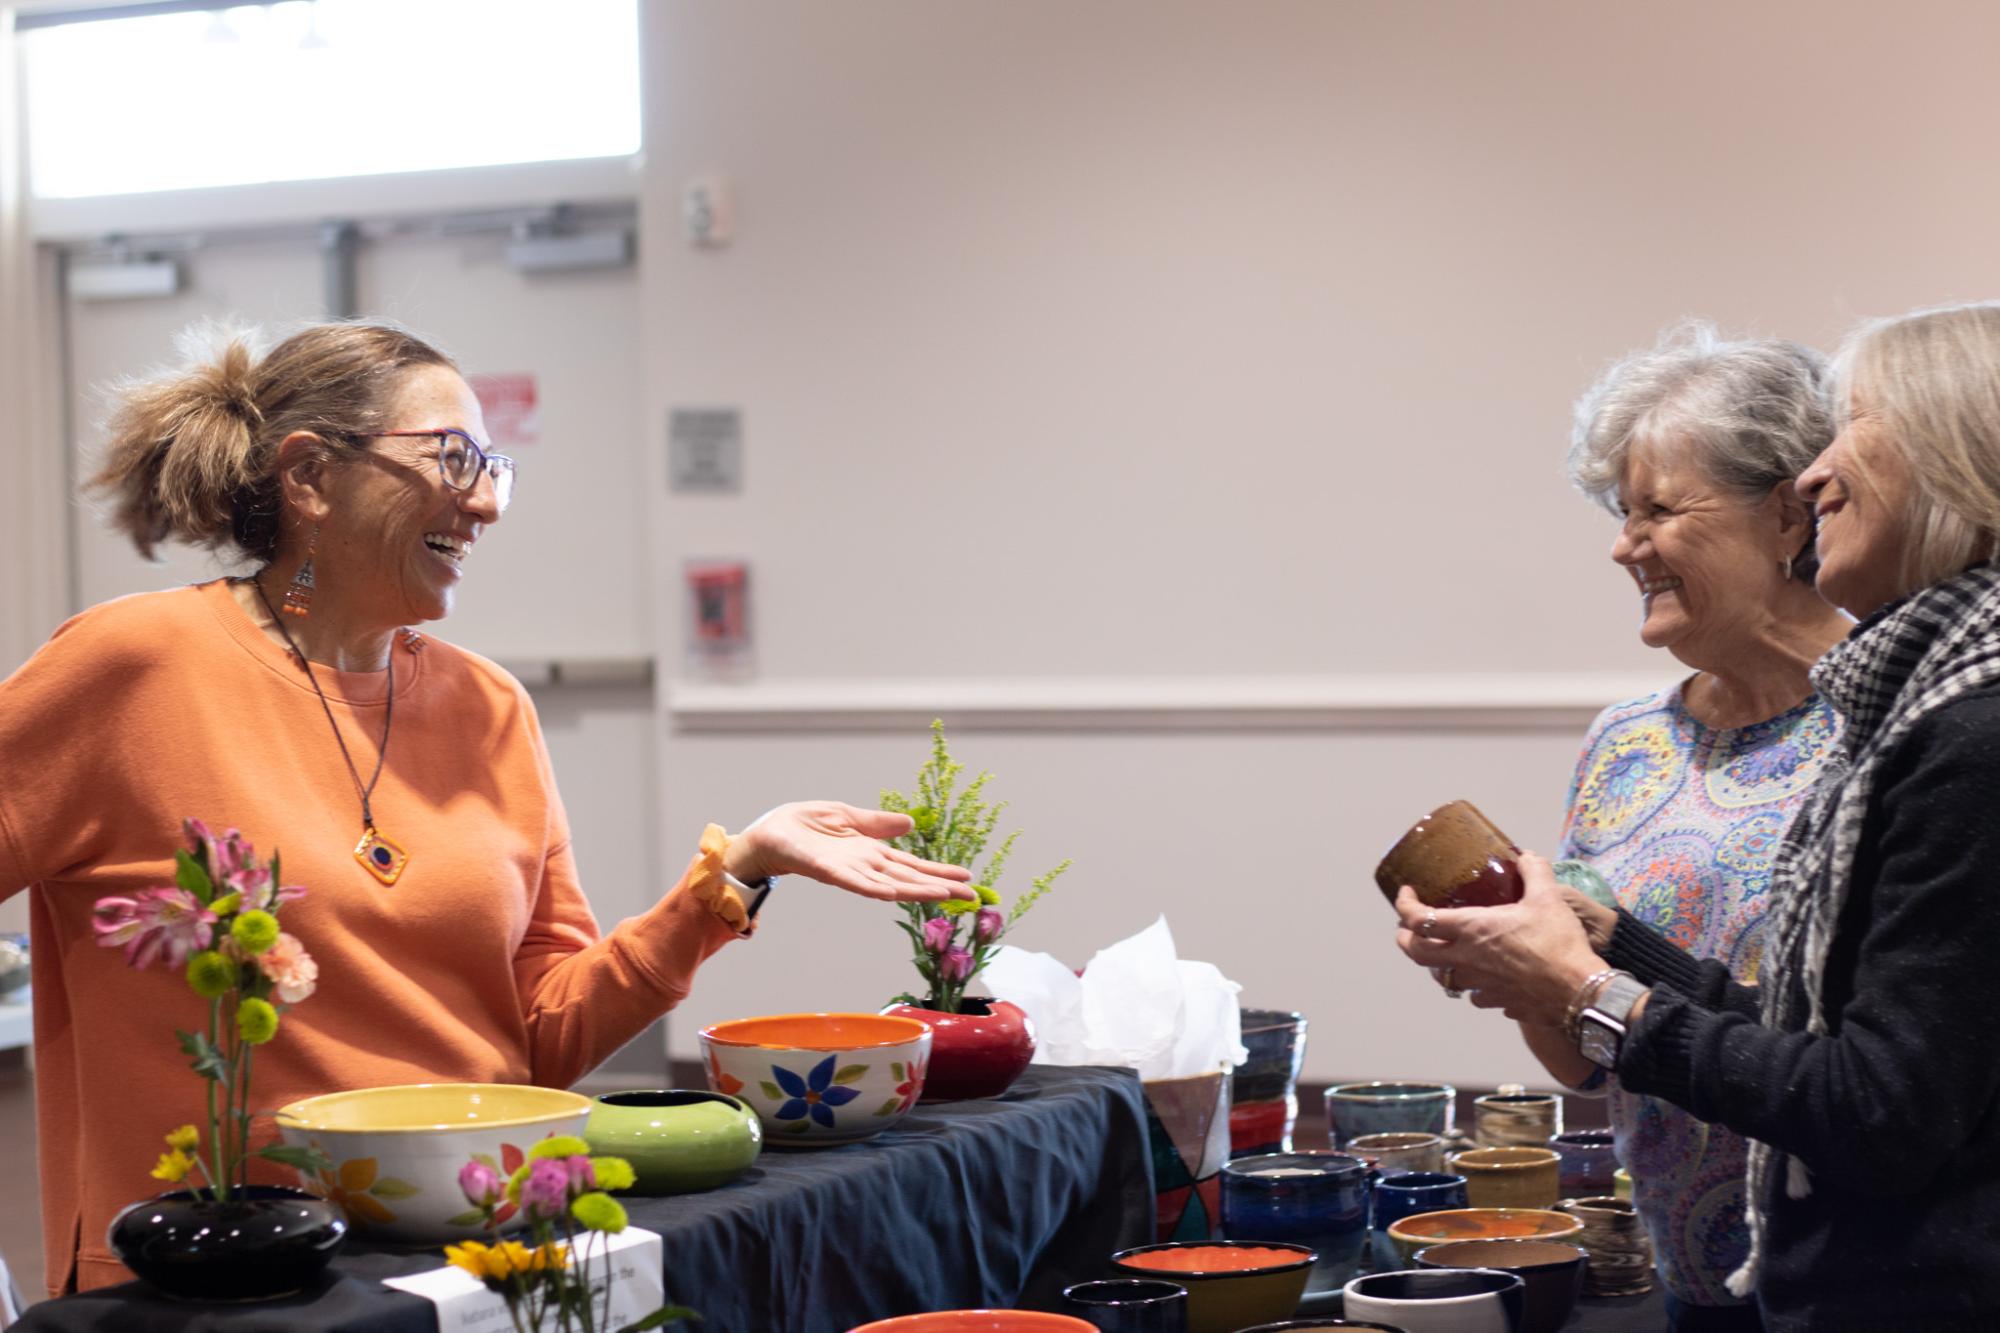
{"x": 405, "y": 780}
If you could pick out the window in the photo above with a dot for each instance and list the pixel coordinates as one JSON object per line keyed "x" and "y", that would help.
{"x": 316, "y": 89}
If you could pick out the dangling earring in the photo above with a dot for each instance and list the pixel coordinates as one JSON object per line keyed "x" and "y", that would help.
{"x": 299, "y": 597}
{"x": 1785, "y": 567}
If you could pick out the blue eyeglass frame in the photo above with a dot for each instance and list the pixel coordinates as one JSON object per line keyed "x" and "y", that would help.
{"x": 486, "y": 460}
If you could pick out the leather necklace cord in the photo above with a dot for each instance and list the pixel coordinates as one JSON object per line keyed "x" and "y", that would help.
{"x": 388, "y": 718}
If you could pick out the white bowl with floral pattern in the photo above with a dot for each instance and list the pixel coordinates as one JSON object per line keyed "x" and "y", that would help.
{"x": 397, "y": 1151}
{"x": 820, "y": 1079}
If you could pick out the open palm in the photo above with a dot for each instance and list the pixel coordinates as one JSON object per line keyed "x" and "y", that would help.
{"x": 840, "y": 844}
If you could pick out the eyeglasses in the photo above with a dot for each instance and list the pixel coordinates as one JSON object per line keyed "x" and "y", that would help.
{"x": 461, "y": 460}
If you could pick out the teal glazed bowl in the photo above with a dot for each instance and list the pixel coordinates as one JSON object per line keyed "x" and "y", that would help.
{"x": 678, "y": 1141}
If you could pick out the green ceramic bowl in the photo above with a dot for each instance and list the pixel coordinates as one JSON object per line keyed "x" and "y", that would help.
{"x": 1231, "y": 1284}
{"x": 678, "y": 1141}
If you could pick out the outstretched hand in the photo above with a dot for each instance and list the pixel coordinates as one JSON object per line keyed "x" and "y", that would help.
{"x": 840, "y": 844}
{"x": 1526, "y": 958}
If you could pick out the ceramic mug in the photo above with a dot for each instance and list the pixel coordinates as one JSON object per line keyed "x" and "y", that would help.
{"x": 1510, "y": 1177}
{"x": 1354, "y": 1109}
{"x": 1551, "y": 1270}
{"x": 1621, "y": 1253}
{"x": 1129, "y": 1305}
{"x": 1589, "y": 1162}
{"x": 1400, "y": 1152}
{"x": 1319, "y": 1199}
{"x": 1438, "y": 1300}
{"x": 1516, "y": 1118}
{"x": 1453, "y": 857}
{"x": 1405, "y": 1194}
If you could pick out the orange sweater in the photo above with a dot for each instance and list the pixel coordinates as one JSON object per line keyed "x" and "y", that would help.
{"x": 483, "y": 963}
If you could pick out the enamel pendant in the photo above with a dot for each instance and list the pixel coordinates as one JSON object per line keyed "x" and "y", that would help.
{"x": 382, "y": 859}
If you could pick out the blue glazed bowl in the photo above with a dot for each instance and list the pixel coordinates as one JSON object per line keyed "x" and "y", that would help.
{"x": 1405, "y": 1194}
{"x": 1316, "y": 1199}
{"x": 1354, "y": 1109}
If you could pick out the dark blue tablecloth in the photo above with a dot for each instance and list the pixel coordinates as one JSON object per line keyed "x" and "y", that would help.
{"x": 988, "y": 1203}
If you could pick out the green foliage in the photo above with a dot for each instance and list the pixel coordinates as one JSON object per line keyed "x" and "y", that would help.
{"x": 308, "y": 1158}
{"x": 956, "y": 824}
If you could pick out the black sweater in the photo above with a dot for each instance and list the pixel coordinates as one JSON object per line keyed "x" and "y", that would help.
{"x": 1896, "y": 1111}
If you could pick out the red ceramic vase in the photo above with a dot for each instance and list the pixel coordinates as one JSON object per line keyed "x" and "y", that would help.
{"x": 976, "y": 1052}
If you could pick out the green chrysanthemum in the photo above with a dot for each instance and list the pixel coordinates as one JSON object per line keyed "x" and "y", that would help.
{"x": 256, "y": 1021}
{"x": 612, "y": 1173}
{"x": 598, "y": 1211}
{"x": 988, "y": 894}
{"x": 226, "y": 904}
{"x": 210, "y": 974}
{"x": 514, "y": 1183}
{"x": 254, "y": 932}
{"x": 560, "y": 1145}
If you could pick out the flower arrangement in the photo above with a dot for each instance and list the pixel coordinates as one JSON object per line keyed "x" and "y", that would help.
{"x": 561, "y": 1191}
{"x": 954, "y": 939}
{"x": 218, "y": 923}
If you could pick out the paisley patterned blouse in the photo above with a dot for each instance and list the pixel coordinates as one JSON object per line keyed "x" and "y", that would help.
{"x": 1682, "y": 820}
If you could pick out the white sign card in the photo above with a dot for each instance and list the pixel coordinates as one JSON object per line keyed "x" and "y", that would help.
{"x": 638, "y": 1287}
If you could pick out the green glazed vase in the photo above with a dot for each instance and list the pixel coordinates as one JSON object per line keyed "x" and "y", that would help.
{"x": 678, "y": 1141}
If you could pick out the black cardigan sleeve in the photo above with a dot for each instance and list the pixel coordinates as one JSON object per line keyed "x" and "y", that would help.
{"x": 1648, "y": 955}
{"x": 1911, "y": 1039}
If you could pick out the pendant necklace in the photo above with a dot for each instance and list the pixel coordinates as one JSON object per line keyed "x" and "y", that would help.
{"x": 378, "y": 856}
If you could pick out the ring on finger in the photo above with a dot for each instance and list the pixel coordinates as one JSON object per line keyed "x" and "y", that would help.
{"x": 1450, "y": 980}
{"x": 1429, "y": 926}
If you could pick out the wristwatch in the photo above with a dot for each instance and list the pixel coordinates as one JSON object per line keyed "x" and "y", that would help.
{"x": 1602, "y": 1025}
{"x": 753, "y": 893}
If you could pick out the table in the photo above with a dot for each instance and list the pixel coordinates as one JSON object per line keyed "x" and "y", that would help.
{"x": 987, "y": 1203}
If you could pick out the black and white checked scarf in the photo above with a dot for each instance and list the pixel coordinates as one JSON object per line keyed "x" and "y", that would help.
{"x": 1905, "y": 662}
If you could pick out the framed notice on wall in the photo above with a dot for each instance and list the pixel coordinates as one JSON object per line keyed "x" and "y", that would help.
{"x": 718, "y": 615}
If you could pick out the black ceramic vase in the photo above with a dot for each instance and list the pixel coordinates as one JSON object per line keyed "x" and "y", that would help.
{"x": 267, "y": 1242}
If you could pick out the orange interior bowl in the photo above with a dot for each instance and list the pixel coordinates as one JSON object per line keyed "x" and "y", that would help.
{"x": 816, "y": 1032}
{"x": 978, "y": 1321}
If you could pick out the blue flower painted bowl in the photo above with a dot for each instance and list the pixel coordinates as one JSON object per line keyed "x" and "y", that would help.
{"x": 815, "y": 1080}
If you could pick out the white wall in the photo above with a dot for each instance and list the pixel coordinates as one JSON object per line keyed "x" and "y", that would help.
{"x": 1157, "y": 338}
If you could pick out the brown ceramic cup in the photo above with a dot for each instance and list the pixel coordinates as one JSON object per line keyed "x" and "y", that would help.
{"x": 1516, "y": 1119}
{"x": 1454, "y": 857}
{"x": 1509, "y": 1177}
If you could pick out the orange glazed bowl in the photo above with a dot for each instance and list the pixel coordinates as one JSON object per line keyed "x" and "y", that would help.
{"x": 1414, "y": 1232}
{"x": 978, "y": 1321}
{"x": 816, "y": 1080}
{"x": 1231, "y": 1284}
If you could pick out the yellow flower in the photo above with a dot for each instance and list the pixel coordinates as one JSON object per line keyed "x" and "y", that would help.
{"x": 612, "y": 1173}
{"x": 210, "y": 974}
{"x": 185, "y": 1139}
{"x": 471, "y": 1256}
{"x": 256, "y": 1021}
{"x": 255, "y": 931}
{"x": 559, "y": 1145}
{"x": 173, "y": 1166}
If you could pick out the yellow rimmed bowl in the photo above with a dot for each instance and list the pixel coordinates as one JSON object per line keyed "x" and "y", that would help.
{"x": 397, "y": 1151}
{"x": 1418, "y": 1230}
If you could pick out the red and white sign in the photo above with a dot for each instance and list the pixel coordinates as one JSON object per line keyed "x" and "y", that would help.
{"x": 508, "y": 402}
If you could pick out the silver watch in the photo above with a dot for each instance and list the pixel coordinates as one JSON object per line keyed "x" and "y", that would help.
{"x": 1601, "y": 1027}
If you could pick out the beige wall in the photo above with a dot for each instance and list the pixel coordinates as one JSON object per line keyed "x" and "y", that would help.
{"x": 1218, "y": 354}
{"x": 1141, "y": 338}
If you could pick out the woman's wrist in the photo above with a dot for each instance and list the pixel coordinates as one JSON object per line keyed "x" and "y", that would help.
{"x": 741, "y": 858}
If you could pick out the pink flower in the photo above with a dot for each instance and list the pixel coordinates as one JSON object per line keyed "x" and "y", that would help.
{"x": 956, "y": 965}
{"x": 290, "y": 968}
{"x": 986, "y": 927}
{"x": 545, "y": 1193}
{"x": 938, "y": 932}
{"x": 581, "y": 1178}
{"x": 153, "y": 924}
{"x": 482, "y": 1185}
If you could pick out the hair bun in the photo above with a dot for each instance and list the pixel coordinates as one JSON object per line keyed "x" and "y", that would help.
{"x": 229, "y": 384}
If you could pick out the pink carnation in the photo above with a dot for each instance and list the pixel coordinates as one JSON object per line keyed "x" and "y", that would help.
{"x": 545, "y": 1193}
{"x": 290, "y": 968}
{"x": 938, "y": 932}
{"x": 482, "y": 1185}
{"x": 956, "y": 965}
{"x": 154, "y": 924}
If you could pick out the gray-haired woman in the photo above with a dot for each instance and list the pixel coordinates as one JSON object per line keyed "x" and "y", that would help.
{"x": 1866, "y": 1066}
{"x": 1679, "y": 797}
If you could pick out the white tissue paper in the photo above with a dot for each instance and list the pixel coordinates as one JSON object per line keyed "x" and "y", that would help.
{"x": 1136, "y": 1004}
